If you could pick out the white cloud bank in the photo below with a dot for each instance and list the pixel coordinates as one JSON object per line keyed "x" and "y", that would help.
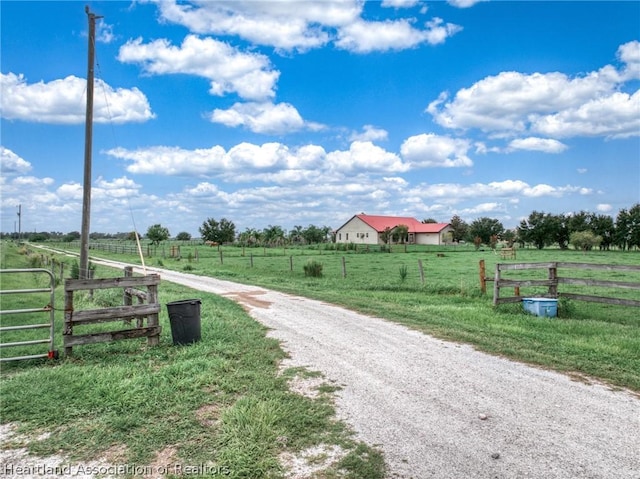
{"x": 551, "y": 104}
{"x": 227, "y": 68}
{"x": 64, "y": 101}
{"x": 291, "y": 26}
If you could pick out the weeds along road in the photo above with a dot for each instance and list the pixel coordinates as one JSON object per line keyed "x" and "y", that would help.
{"x": 443, "y": 410}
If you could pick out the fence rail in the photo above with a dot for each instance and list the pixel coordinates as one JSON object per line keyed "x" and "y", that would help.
{"x": 553, "y": 282}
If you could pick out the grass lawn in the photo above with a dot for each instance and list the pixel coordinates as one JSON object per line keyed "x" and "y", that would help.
{"x": 221, "y": 403}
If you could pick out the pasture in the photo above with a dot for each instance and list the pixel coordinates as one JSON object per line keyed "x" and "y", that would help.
{"x": 586, "y": 340}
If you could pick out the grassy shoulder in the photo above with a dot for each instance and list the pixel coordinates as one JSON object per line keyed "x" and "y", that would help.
{"x": 221, "y": 402}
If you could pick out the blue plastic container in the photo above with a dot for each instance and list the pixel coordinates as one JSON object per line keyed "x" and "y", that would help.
{"x": 545, "y": 307}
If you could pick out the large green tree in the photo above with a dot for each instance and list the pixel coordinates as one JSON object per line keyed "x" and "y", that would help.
{"x": 223, "y": 231}
{"x": 313, "y": 234}
{"x": 157, "y": 233}
{"x": 484, "y": 228}
{"x": 273, "y": 235}
{"x": 459, "y": 228}
{"x": 539, "y": 228}
{"x": 603, "y": 226}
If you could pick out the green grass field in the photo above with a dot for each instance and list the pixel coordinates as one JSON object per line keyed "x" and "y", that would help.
{"x": 221, "y": 402}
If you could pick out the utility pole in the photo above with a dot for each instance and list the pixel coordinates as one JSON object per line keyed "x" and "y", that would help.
{"x": 19, "y": 222}
{"x": 88, "y": 138}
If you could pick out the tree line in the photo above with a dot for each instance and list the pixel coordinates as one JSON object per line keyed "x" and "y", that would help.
{"x": 582, "y": 230}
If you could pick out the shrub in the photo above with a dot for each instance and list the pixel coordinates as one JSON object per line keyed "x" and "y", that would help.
{"x": 403, "y": 273}
{"x": 75, "y": 269}
{"x": 313, "y": 268}
{"x": 35, "y": 261}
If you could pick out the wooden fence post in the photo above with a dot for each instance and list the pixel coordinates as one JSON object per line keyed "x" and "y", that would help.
{"x": 483, "y": 278}
{"x": 496, "y": 285}
{"x": 421, "y": 271}
{"x": 152, "y": 319}
{"x": 344, "y": 268}
{"x": 291, "y": 263}
{"x": 221, "y": 257}
{"x": 553, "y": 276}
{"x": 126, "y": 296}
{"x": 68, "y": 315}
{"x": 251, "y": 259}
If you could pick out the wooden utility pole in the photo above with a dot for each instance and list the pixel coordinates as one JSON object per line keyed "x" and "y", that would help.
{"x": 19, "y": 222}
{"x": 88, "y": 138}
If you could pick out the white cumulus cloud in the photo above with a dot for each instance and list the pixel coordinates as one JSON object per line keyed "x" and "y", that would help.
{"x": 545, "y": 145}
{"x": 430, "y": 151}
{"x": 12, "y": 164}
{"x": 553, "y": 104}
{"x": 265, "y": 117}
{"x": 64, "y": 101}
{"x": 228, "y": 69}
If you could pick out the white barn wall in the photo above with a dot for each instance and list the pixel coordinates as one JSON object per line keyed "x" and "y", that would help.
{"x": 433, "y": 238}
{"x": 358, "y": 232}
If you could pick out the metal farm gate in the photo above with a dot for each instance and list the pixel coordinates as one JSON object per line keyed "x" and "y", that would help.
{"x": 51, "y": 353}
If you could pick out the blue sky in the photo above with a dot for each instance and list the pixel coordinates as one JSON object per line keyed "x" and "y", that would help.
{"x": 299, "y": 112}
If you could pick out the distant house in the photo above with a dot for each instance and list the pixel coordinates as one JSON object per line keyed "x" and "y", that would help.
{"x": 371, "y": 229}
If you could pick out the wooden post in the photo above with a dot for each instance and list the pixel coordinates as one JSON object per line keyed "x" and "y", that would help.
{"x": 496, "y": 285}
{"x": 251, "y": 259}
{"x": 291, "y": 263}
{"x": 221, "y": 257}
{"x": 483, "y": 278}
{"x": 421, "y": 271}
{"x": 90, "y": 274}
{"x": 68, "y": 315}
{"x": 344, "y": 268}
{"x": 126, "y": 297}
{"x": 553, "y": 276}
{"x": 152, "y": 319}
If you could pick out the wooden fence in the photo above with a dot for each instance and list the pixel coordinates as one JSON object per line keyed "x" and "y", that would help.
{"x": 553, "y": 282}
{"x": 147, "y": 307}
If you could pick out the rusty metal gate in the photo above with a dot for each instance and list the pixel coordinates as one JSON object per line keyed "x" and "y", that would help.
{"x": 49, "y": 309}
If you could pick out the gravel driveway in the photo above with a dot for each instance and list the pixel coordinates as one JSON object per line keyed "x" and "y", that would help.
{"x": 443, "y": 410}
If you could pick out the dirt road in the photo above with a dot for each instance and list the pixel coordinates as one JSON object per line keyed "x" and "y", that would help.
{"x": 443, "y": 410}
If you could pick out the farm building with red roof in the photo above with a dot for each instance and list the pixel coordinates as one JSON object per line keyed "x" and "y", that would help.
{"x": 373, "y": 229}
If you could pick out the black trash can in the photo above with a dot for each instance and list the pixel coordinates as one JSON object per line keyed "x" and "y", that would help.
{"x": 184, "y": 317}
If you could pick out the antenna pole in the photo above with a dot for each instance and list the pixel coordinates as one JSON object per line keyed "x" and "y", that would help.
{"x": 88, "y": 138}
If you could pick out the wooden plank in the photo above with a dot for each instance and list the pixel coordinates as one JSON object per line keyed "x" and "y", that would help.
{"x": 513, "y": 283}
{"x": 601, "y": 299}
{"x": 602, "y": 283}
{"x": 115, "y": 313}
{"x": 606, "y": 267}
{"x": 106, "y": 283}
{"x": 519, "y": 266}
{"x": 92, "y": 338}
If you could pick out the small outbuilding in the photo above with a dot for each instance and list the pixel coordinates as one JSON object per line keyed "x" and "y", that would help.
{"x": 379, "y": 230}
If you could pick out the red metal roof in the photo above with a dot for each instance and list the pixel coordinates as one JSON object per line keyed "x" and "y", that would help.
{"x": 380, "y": 223}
